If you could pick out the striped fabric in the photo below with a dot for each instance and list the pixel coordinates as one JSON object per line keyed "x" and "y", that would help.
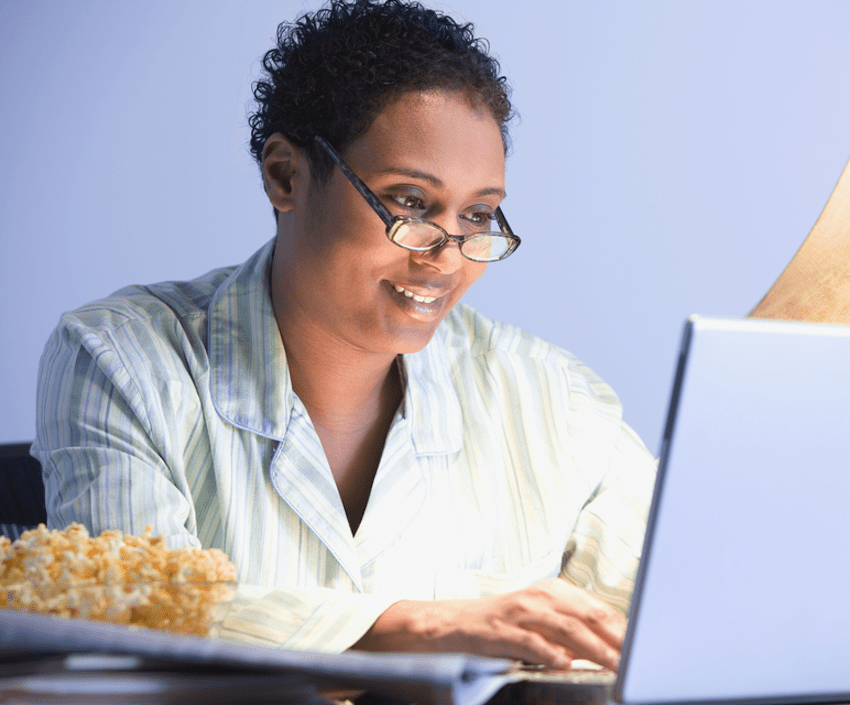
{"x": 508, "y": 463}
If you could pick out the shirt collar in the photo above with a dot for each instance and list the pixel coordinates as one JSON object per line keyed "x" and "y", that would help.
{"x": 431, "y": 400}
{"x": 249, "y": 377}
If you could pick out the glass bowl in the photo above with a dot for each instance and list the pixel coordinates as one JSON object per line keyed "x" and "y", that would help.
{"x": 182, "y": 607}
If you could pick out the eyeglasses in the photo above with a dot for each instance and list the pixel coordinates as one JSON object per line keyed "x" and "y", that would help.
{"x": 481, "y": 244}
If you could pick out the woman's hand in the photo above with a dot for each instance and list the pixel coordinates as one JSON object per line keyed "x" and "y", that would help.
{"x": 550, "y": 623}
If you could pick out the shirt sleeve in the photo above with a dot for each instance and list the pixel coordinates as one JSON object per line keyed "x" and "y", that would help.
{"x": 105, "y": 465}
{"x": 100, "y": 459}
{"x": 314, "y": 619}
{"x": 604, "y": 549}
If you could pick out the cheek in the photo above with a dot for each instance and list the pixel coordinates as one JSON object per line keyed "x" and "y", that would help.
{"x": 358, "y": 240}
{"x": 347, "y": 249}
{"x": 473, "y": 271}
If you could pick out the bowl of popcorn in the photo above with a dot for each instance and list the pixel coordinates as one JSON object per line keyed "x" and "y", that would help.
{"x": 116, "y": 577}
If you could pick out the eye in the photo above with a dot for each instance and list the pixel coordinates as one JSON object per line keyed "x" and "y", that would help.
{"x": 408, "y": 202}
{"x": 479, "y": 221}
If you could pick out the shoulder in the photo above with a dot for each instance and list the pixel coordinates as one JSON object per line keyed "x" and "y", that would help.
{"x": 134, "y": 336}
{"x": 173, "y": 307}
{"x": 512, "y": 355}
{"x": 466, "y": 329}
{"x": 175, "y": 300}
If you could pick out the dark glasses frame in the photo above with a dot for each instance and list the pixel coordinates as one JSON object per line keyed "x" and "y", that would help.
{"x": 394, "y": 223}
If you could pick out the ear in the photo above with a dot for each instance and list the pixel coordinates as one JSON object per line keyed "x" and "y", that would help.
{"x": 284, "y": 168}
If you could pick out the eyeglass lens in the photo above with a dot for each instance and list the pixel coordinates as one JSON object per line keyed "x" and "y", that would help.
{"x": 420, "y": 235}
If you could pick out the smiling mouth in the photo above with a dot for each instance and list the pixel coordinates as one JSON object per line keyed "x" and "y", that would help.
{"x": 410, "y": 295}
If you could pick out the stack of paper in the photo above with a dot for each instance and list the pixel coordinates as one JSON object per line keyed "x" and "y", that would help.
{"x": 141, "y": 665}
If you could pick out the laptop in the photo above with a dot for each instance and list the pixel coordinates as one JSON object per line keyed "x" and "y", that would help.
{"x": 743, "y": 592}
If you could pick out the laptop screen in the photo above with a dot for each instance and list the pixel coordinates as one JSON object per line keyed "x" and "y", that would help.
{"x": 744, "y": 583}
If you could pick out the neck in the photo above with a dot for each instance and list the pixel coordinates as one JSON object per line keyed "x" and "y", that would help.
{"x": 341, "y": 386}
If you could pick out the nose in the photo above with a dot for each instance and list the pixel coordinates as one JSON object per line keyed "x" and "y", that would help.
{"x": 446, "y": 259}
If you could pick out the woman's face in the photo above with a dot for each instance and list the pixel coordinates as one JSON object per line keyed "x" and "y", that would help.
{"x": 428, "y": 155}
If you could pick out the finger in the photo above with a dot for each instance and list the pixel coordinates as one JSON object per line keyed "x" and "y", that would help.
{"x": 510, "y": 641}
{"x": 564, "y": 614}
{"x": 602, "y": 619}
{"x": 575, "y": 634}
{"x": 608, "y": 624}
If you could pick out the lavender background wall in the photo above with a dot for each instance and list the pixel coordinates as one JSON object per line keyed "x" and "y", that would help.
{"x": 670, "y": 159}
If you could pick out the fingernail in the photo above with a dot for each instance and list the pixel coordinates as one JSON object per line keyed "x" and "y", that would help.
{"x": 563, "y": 663}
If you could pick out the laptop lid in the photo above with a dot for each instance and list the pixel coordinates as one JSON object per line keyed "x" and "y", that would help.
{"x": 743, "y": 588}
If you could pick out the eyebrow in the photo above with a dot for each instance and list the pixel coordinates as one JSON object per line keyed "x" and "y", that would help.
{"x": 437, "y": 183}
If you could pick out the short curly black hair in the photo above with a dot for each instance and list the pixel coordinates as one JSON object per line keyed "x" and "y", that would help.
{"x": 334, "y": 70}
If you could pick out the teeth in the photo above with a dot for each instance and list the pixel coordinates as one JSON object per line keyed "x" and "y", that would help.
{"x": 415, "y": 297}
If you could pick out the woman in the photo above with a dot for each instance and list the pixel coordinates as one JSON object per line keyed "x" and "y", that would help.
{"x": 386, "y": 469}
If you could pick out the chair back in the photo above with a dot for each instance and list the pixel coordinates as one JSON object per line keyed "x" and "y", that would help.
{"x": 21, "y": 490}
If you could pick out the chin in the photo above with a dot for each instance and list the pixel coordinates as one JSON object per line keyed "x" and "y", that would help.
{"x": 409, "y": 342}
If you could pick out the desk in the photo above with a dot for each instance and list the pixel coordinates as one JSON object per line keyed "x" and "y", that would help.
{"x": 109, "y": 678}
{"x": 95, "y": 678}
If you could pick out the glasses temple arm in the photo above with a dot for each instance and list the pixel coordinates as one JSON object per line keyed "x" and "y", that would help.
{"x": 367, "y": 193}
{"x": 502, "y": 221}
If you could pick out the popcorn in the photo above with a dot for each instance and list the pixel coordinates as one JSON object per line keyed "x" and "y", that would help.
{"x": 115, "y": 577}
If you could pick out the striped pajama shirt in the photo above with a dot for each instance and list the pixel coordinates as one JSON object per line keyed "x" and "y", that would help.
{"x": 507, "y": 463}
